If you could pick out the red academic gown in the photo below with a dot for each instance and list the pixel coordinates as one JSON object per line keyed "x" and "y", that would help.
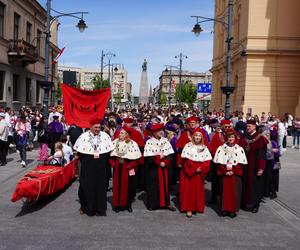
{"x": 184, "y": 138}
{"x": 231, "y": 191}
{"x": 157, "y": 182}
{"x": 192, "y": 191}
{"x": 253, "y": 184}
{"x": 123, "y": 186}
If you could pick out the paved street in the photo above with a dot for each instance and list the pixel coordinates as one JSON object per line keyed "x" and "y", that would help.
{"x": 55, "y": 223}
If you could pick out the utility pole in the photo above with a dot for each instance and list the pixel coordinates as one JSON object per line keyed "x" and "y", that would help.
{"x": 228, "y": 90}
{"x": 109, "y": 56}
{"x": 46, "y": 79}
{"x": 102, "y": 58}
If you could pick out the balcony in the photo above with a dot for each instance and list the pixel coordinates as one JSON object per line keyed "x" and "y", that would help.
{"x": 21, "y": 53}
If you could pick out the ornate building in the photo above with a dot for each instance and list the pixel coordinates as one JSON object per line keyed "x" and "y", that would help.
{"x": 22, "y": 53}
{"x": 168, "y": 81}
{"x": 269, "y": 78}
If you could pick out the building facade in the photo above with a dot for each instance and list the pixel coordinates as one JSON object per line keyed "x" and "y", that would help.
{"x": 84, "y": 76}
{"x": 269, "y": 78}
{"x": 22, "y": 53}
{"x": 169, "y": 80}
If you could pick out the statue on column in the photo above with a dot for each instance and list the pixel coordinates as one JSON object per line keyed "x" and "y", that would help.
{"x": 144, "y": 66}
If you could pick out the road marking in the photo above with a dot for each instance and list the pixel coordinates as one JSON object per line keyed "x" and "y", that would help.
{"x": 284, "y": 211}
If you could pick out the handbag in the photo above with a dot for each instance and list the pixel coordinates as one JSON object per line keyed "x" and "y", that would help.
{"x": 277, "y": 166}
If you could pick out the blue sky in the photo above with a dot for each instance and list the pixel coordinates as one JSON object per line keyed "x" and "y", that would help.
{"x": 136, "y": 29}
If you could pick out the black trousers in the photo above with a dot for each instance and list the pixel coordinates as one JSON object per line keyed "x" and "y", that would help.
{"x": 215, "y": 182}
{"x": 3, "y": 152}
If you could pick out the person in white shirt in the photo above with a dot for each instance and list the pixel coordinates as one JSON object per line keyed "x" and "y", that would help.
{"x": 3, "y": 139}
{"x": 281, "y": 134}
{"x": 8, "y": 123}
{"x": 52, "y": 114}
{"x": 67, "y": 150}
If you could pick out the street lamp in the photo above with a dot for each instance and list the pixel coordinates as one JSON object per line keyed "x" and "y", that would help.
{"x": 50, "y": 19}
{"x": 181, "y": 57}
{"x": 109, "y": 55}
{"x": 169, "y": 68}
{"x": 227, "y": 89}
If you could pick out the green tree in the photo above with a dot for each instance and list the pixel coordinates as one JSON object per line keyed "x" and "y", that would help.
{"x": 163, "y": 99}
{"x": 118, "y": 97}
{"x": 188, "y": 93}
{"x": 99, "y": 84}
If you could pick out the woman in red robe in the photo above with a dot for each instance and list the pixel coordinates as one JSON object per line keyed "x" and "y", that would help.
{"x": 230, "y": 158}
{"x": 195, "y": 165}
{"x": 157, "y": 162}
{"x": 124, "y": 159}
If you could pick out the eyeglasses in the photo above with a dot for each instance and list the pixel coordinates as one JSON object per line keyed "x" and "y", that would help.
{"x": 227, "y": 126}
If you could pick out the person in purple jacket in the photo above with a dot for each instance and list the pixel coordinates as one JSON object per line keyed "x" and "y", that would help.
{"x": 56, "y": 130}
{"x": 171, "y": 135}
{"x": 271, "y": 173}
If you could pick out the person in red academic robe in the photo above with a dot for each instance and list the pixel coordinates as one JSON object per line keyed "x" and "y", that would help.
{"x": 195, "y": 165}
{"x": 124, "y": 159}
{"x": 186, "y": 136}
{"x": 256, "y": 151}
{"x": 157, "y": 161}
{"x": 217, "y": 140}
{"x": 136, "y": 136}
{"x": 230, "y": 158}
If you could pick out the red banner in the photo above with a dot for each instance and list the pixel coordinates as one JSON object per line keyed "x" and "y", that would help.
{"x": 83, "y": 106}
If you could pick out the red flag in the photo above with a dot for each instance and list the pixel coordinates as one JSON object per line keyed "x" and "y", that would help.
{"x": 83, "y": 106}
{"x": 58, "y": 55}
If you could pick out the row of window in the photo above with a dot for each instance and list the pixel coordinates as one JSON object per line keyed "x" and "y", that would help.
{"x": 16, "y": 85}
{"x": 29, "y": 36}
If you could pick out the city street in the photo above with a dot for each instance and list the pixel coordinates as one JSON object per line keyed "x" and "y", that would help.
{"x": 55, "y": 223}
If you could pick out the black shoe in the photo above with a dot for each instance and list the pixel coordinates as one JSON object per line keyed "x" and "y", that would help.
{"x": 223, "y": 213}
{"x": 273, "y": 196}
{"x": 129, "y": 209}
{"x": 171, "y": 208}
{"x": 116, "y": 210}
{"x": 232, "y": 215}
{"x": 255, "y": 210}
{"x": 101, "y": 213}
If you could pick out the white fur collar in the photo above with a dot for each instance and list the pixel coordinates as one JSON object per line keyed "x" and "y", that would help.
{"x": 155, "y": 147}
{"x": 198, "y": 153}
{"x": 86, "y": 142}
{"x": 235, "y": 155}
{"x": 126, "y": 150}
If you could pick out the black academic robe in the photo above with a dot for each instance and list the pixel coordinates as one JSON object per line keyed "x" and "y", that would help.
{"x": 92, "y": 189}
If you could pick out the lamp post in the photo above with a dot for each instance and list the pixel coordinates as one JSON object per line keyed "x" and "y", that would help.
{"x": 181, "y": 57}
{"x": 49, "y": 20}
{"x": 227, "y": 89}
{"x": 109, "y": 55}
{"x": 169, "y": 68}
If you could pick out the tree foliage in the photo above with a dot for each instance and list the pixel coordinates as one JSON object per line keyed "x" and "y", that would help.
{"x": 188, "y": 93}
{"x": 163, "y": 99}
{"x": 118, "y": 98}
{"x": 99, "y": 84}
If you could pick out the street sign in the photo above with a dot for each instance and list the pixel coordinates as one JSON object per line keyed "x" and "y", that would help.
{"x": 204, "y": 91}
{"x": 204, "y": 87}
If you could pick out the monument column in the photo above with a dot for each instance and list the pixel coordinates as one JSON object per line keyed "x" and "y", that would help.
{"x": 144, "y": 95}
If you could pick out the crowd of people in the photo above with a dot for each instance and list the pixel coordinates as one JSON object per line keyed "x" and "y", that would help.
{"x": 159, "y": 152}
